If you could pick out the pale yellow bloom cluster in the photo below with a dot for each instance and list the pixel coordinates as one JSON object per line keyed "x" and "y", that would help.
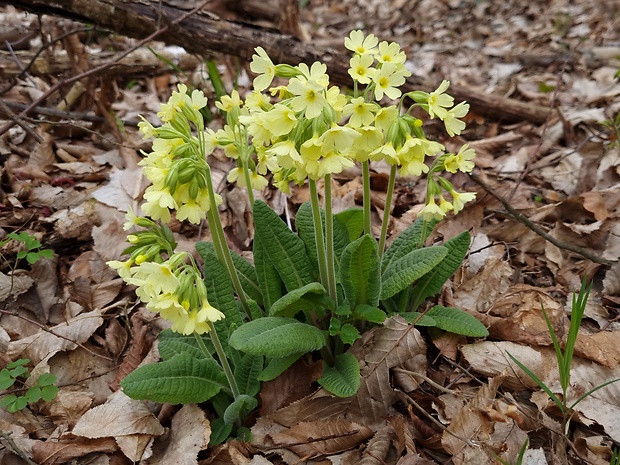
{"x": 177, "y": 166}
{"x": 173, "y": 287}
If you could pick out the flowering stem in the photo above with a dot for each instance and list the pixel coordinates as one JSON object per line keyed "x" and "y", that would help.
{"x": 386, "y": 210}
{"x": 221, "y": 247}
{"x": 329, "y": 239}
{"x": 318, "y": 232}
{"x": 223, "y": 359}
{"x": 246, "y": 171}
{"x": 248, "y": 181}
{"x": 366, "y": 183}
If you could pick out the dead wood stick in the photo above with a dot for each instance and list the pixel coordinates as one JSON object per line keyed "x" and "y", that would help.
{"x": 205, "y": 32}
{"x": 537, "y": 229}
{"x": 4, "y": 109}
{"x": 100, "y": 68}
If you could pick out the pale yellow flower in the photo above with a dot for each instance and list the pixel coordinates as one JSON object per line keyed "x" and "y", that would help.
{"x": 390, "y": 53}
{"x": 264, "y": 67}
{"x": 460, "y": 161}
{"x": 356, "y": 42}
{"x": 360, "y": 111}
{"x": 460, "y": 199}
{"x": 432, "y": 211}
{"x": 451, "y": 121}
{"x": 438, "y": 101}
{"x": 387, "y": 79}
{"x": 360, "y": 68}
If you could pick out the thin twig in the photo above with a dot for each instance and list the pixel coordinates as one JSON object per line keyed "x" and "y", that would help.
{"x": 4, "y": 108}
{"x": 537, "y": 229}
{"x": 100, "y": 68}
{"x": 70, "y": 115}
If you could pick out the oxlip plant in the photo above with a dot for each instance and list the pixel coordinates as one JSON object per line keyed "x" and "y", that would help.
{"x": 312, "y": 290}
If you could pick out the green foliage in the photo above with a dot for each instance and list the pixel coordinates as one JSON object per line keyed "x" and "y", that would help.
{"x": 31, "y": 247}
{"x": 360, "y": 272}
{"x": 431, "y": 283}
{"x": 16, "y": 373}
{"x": 181, "y": 379}
{"x": 405, "y": 270}
{"x": 455, "y": 320}
{"x": 283, "y": 247}
{"x": 277, "y": 337}
{"x": 343, "y": 378}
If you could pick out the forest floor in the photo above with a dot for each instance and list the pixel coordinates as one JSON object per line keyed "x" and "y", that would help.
{"x": 546, "y": 215}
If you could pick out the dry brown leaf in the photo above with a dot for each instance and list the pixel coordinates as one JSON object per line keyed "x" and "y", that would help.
{"x": 13, "y": 285}
{"x": 189, "y": 434}
{"x": 64, "y": 451}
{"x": 69, "y": 405}
{"x": 479, "y": 292}
{"x": 76, "y": 222}
{"x": 45, "y": 276}
{"x": 136, "y": 447}
{"x": 378, "y": 449}
{"x": 119, "y": 416}
{"x": 292, "y": 385}
{"x": 520, "y": 318}
{"x": 318, "y": 438}
{"x": 44, "y": 343}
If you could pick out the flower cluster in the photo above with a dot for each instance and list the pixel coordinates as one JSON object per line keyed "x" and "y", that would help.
{"x": 173, "y": 287}
{"x": 310, "y": 129}
{"x": 177, "y": 165}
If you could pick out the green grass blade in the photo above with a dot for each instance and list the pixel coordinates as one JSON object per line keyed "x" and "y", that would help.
{"x": 592, "y": 391}
{"x": 538, "y": 381}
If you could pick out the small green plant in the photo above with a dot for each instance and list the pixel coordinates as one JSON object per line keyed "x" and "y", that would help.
{"x": 313, "y": 289}
{"x": 31, "y": 250}
{"x": 16, "y": 372}
{"x": 614, "y": 125}
{"x": 565, "y": 357}
{"x": 615, "y": 456}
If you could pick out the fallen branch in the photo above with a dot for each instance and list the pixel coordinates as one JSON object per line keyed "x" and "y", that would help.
{"x": 206, "y": 33}
{"x": 100, "y": 68}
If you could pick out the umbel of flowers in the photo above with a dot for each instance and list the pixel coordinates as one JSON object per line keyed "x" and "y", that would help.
{"x": 293, "y": 127}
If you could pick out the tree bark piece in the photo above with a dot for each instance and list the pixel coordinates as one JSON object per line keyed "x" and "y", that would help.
{"x": 205, "y": 33}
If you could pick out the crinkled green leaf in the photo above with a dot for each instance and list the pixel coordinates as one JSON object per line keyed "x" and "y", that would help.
{"x": 431, "y": 283}
{"x": 284, "y": 248}
{"x": 270, "y": 284}
{"x": 220, "y": 290}
{"x": 369, "y": 313}
{"x": 286, "y": 305}
{"x": 241, "y": 405}
{"x": 353, "y": 219}
{"x": 246, "y": 374}
{"x": 305, "y": 227}
{"x": 410, "y": 239}
{"x": 182, "y": 379}
{"x": 348, "y": 333}
{"x": 245, "y": 270}
{"x": 457, "y": 321}
{"x": 343, "y": 379}
{"x": 220, "y": 431}
{"x": 359, "y": 272}
{"x": 171, "y": 344}
{"x": 404, "y": 271}
{"x": 418, "y": 319}
{"x": 277, "y": 337}
{"x": 46, "y": 379}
